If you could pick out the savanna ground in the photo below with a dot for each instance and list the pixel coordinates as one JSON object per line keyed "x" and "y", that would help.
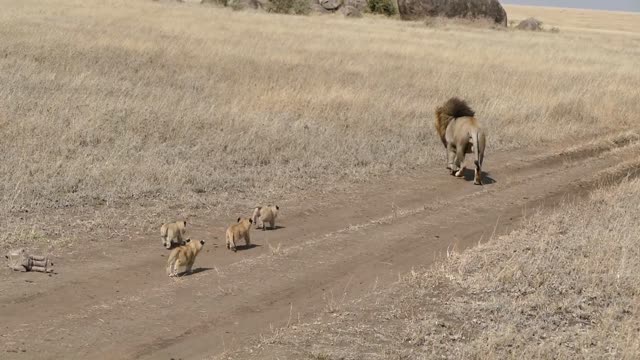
{"x": 125, "y": 112}
{"x": 118, "y": 115}
{"x": 564, "y": 286}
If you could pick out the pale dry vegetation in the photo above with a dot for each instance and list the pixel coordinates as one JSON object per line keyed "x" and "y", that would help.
{"x": 566, "y": 286}
{"x": 111, "y": 110}
{"x": 579, "y": 19}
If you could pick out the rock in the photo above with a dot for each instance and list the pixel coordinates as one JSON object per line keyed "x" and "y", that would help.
{"x": 489, "y": 9}
{"x": 530, "y": 24}
{"x": 351, "y": 11}
{"x": 330, "y": 5}
{"x": 360, "y": 5}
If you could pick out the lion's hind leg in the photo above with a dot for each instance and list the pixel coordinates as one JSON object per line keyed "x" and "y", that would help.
{"x": 451, "y": 156}
{"x": 176, "y": 266}
{"x": 168, "y": 240}
{"x": 458, "y": 163}
{"x": 477, "y": 178}
{"x": 170, "y": 268}
{"x": 231, "y": 243}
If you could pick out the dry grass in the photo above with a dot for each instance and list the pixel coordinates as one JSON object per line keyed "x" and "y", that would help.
{"x": 112, "y": 111}
{"x": 616, "y": 22}
{"x": 566, "y": 285}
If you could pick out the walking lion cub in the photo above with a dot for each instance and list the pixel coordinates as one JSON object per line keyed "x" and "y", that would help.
{"x": 265, "y": 214}
{"x": 173, "y": 233}
{"x": 237, "y": 231}
{"x": 183, "y": 255}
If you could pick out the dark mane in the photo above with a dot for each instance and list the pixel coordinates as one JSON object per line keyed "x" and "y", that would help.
{"x": 456, "y": 107}
{"x": 452, "y": 109}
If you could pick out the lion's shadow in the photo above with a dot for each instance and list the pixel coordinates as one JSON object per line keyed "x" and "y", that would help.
{"x": 246, "y": 247}
{"x": 469, "y": 175}
{"x": 277, "y": 227}
{"x": 194, "y": 271}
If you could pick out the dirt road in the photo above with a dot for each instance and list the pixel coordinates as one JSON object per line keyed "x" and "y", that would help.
{"x": 332, "y": 249}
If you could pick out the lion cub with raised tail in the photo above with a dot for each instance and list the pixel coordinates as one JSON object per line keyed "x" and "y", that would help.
{"x": 183, "y": 255}
{"x": 238, "y": 231}
{"x": 265, "y": 214}
{"x": 173, "y": 233}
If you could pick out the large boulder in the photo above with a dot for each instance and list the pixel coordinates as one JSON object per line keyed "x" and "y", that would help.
{"x": 490, "y": 9}
{"x": 330, "y": 5}
{"x": 351, "y": 11}
{"x": 361, "y": 5}
{"x": 530, "y": 24}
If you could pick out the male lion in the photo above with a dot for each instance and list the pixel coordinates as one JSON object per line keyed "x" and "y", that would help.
{"x": 461, "y": 134}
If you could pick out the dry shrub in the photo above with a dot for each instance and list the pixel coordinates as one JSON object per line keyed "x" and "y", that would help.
{"x": 238, "y": 5}
{"x": 385, "y": 7}
{"x": 294, "y": 7}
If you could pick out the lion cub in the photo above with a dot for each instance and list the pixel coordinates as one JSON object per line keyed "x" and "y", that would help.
{"x": 265, "y": 214}
{"x": 239, "y": 231}
{"x": 183, "y": 255}
{"x": 173, "y": 233}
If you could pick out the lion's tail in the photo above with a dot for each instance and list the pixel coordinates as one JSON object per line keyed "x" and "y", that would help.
{"x": 479, "y": 140}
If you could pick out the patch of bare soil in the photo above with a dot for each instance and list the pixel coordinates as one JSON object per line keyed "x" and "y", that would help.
{"x": 117, "y": 302}
{"x": 565, "y": 285}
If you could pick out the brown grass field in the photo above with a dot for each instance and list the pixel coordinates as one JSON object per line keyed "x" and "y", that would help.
{"x": 564, "y": 286}
{"x": 123, "y": 112}
{"x": 582, "y": 20}
{"x": 119, "y": 115}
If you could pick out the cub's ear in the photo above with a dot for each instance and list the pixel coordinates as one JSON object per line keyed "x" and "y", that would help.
{"x": 185, "y": 223}
{"x": 187, "y": 241}
{"x": 238, "y": 220}
{"x": 250, "y": 221}
{"x": 277, "y": 207}
{"x": 201, "y": 242}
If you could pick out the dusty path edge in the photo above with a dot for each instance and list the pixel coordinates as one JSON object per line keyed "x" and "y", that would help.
{"x": 624, "y": 171}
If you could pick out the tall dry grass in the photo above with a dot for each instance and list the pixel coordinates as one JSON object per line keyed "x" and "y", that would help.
{"x": 583, "y": 20}
{"x": 118, "y": 108}
{"x": 564, "y": 286}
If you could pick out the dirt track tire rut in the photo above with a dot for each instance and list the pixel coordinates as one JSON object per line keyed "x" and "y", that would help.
{"x": 332, "y": 249}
